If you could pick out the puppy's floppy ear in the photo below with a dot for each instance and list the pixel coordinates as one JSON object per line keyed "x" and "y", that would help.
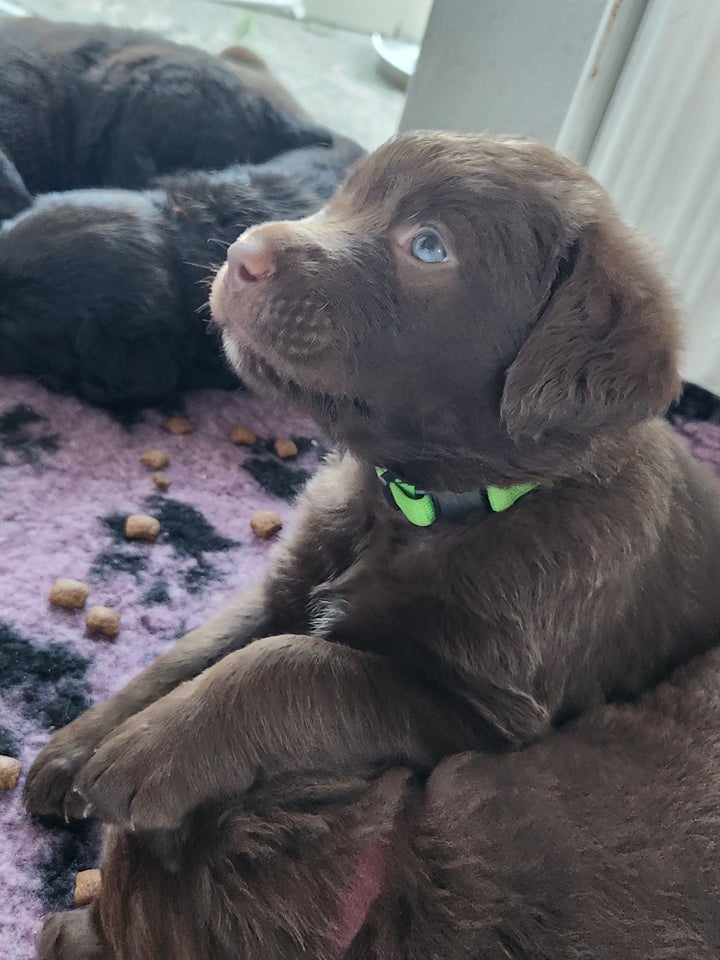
{"x": 605, "y": 347}
{"x": 245, "y": 56}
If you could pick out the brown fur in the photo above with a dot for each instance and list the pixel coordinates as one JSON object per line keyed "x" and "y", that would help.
{"x": 600, "y": 841}
{"x": 88, "y": 105}
{"x": 544, "y": 349}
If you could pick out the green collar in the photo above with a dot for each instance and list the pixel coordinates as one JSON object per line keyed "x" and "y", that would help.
{"x": 423, "y": 509}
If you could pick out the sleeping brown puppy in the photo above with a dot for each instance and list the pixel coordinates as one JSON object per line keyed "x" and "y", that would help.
{"x": 88, "y": 105}
{"x": 469, "y": 315}
{"x": 600, "y": 842}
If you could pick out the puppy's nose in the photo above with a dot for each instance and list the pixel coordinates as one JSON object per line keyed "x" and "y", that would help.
{"x": 250, "y": 259}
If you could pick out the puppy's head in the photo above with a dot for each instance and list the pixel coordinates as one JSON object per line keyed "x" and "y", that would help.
{"x": 466, "y": 309}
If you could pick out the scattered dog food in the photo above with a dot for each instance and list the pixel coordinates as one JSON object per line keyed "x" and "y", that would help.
{"x": 87, "y": 887}
{"x": 70, "y": 594}
{"x": 103, "y": 620}
{"x": 265, "y": 524}
{"x": 243, "y": 436}
{"x": 9, "y": 773}
{"x": 161, "y": 480}
{"x": 286, "y": 449}
{"x": 178, "y": 425}
{"x": 139, "y": 526}
{"x": 155, "y": 459}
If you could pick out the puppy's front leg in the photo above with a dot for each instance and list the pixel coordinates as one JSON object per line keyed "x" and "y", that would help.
{"x": 48, "y": 789}
{"x": 284, "y": 704}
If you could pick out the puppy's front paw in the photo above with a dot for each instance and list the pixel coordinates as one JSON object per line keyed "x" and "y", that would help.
{"x": 158, "y": 766}
{"x": 48, "y": 788}
{"x": 134, "y": 778}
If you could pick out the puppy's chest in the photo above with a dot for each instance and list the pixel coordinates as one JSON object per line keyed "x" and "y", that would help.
{"x": 387, "y": 582}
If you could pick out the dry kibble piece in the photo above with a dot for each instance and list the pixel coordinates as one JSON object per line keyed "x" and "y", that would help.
{"x": 243, "y": 436}
{"x": 9, "y": 773}
{"x": 139, "y": 526}
{"x": 155, "y": 459}
{"x": 265, "y": 523}
{"x": 161, "y": 480}
{"x": 87, "y": 887}
{"x": 103, "y": 620}
{"x": 70, "y": 594}
{"x": 286, "y": 449}
{"x": 178, "y": 425}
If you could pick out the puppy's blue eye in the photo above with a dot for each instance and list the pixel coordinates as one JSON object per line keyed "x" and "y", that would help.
{"x": 427, "y": 246}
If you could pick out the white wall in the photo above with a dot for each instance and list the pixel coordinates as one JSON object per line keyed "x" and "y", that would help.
{"x": 508, "y": 66}
{"x": 658, "y": 154}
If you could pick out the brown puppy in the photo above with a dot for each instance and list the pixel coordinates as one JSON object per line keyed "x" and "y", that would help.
{"x": 599, "y": 842}
{"x": 471, "y": 314}
{"x": 88, "y": 105}
{"x": 468, "y": 313}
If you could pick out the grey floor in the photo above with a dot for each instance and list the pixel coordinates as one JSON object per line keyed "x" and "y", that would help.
{"x": 332, "y": 72}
